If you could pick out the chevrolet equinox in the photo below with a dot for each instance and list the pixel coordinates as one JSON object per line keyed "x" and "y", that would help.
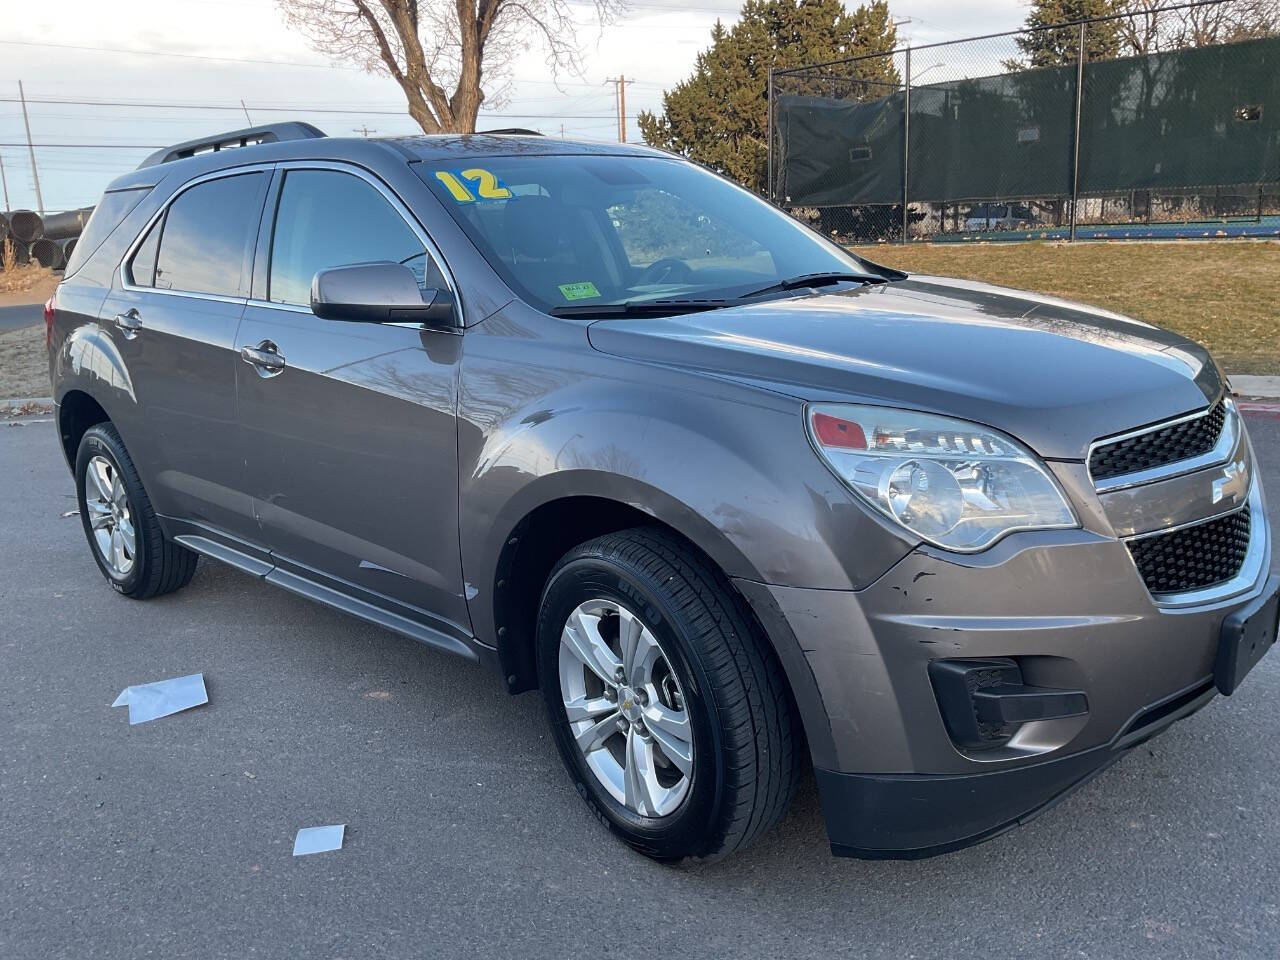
{"x": 732, "y": 498}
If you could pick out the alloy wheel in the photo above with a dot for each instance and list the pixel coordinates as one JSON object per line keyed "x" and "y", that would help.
{"x": 110, "y": 516}
{"x": 625, "y": 707}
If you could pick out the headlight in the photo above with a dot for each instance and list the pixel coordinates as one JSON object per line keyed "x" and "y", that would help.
{"x": 958, "y": 485}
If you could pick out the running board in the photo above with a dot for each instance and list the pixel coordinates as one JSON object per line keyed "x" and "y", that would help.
{"x": 228, "y": 555}
{"x": 367, "y": 611}
{"x": 328, "y": 596}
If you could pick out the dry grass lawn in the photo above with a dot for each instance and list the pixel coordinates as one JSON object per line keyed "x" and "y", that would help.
{"x": 1225, "y": 294}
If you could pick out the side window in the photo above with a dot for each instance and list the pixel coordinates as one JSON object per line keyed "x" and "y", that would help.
{"x": 326, "y": 218}
{"x": 142, "y": 267}
{"x": 206, "y": 233}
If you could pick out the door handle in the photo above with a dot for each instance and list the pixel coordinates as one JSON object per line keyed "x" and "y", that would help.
{"x": 129, "y": 322}
{"x": 265, "y": 358}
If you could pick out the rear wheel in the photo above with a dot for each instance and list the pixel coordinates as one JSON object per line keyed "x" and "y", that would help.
{"x": 669, "y": 711}
{"x": 123, "y": 532}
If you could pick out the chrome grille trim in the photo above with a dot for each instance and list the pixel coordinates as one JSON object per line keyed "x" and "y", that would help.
{"x": 1220, "y": 453}
{"x": 1257, "y": 558}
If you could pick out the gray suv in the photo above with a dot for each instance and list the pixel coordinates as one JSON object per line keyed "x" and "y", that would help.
{"x": 732, "y": 498}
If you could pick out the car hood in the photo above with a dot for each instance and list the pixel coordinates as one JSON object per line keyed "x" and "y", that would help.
{"x": 1054, "y": 374}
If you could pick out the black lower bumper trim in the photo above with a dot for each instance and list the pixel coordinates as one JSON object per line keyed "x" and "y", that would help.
{"x": 914, "y": 816}
{"x": 886, "y": 817}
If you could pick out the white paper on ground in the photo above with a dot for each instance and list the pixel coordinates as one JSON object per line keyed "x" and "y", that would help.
{"x": 150, "y": 701}
{"x": 319, "y": 839}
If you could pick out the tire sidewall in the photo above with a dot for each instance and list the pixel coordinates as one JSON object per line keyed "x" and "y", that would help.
{"x": 687, "y": 830}
{"x": 98, "y": 443}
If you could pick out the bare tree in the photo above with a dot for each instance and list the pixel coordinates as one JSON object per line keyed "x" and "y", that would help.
{"x": 1147, "y": 28}
{"x": 448, "y": 56}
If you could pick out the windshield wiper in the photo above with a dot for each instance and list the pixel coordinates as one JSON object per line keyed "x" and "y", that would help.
{"x": 673, "y": 306}
{"x": 642, "y": 308}
{"x": 814, "y": 280}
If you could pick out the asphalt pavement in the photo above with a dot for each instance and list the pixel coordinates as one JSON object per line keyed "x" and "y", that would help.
{"x": 463, "y": 835}
{"x": 20, "y": 315}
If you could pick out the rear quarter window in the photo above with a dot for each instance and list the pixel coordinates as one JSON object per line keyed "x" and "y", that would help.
{"x": 110, "y": 212}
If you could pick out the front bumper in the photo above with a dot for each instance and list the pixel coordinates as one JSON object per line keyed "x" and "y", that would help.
{"x": 910, "y": 817}
{"x": 893, "y": 782}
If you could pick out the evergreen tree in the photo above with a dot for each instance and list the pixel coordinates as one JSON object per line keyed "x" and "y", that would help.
{"x": 1055, "y": 48}
{"x": 719, "y": 116}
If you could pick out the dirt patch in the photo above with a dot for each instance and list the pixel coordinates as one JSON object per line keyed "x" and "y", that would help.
{"x": 24, "y": 364}
{"x": 30, "y": 283}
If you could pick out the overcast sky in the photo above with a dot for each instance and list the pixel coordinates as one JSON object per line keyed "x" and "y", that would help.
{"x": 166, "y": 53}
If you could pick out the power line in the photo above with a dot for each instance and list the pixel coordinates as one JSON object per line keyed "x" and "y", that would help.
{"x": 180, "y": 56}
{"x": 299, "y": 108}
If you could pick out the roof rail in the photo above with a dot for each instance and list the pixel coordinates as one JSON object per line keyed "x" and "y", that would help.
{"x": 523, "y": 131}
{"x": 270, "y": 133}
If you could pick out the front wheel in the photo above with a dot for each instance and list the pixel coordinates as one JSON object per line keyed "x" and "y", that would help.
{"x": 669, "y": 711}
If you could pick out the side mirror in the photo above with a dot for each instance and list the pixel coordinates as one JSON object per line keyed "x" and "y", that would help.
{"x": 378, "y": 293}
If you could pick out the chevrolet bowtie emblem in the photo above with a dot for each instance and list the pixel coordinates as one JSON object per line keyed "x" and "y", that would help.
{"x": 1233, "y": 481}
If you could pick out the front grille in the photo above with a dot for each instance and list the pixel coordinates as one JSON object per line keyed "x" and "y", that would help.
{"x": 1164, "y": 445}
{"x": 1194, "y": 557}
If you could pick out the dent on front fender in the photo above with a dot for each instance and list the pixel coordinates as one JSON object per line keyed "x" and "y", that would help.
{"x": 544, "y": 417}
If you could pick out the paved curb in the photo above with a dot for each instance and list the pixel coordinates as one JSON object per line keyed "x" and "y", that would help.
{"x": 1253, "y": 386}
{"x": 13, "y": 403}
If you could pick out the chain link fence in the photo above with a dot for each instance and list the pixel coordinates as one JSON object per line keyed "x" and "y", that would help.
{"x": 1137, "y": 126}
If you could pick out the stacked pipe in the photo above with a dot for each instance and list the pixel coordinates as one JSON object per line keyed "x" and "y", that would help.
{"x": 47, "y": 240}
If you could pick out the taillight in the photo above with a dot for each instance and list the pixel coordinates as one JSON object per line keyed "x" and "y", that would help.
{"x": 48, "y": 323}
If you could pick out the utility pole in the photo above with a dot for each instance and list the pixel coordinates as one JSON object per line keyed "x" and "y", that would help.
{"x": 364, "y": 130}
{"x": 620, "y": 103}
{"x": 622, "y": 109}
{"x": 31, "y": 149}
{"x": 1075, "y": 140}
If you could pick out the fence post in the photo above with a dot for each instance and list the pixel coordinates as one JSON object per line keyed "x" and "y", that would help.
{"x": 906, "y": 146}
{"x": 769, "y": 135}
{"x": 1075, "y": 139}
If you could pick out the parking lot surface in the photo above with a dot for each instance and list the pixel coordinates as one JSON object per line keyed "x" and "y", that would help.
{"x": 463, "y": 835}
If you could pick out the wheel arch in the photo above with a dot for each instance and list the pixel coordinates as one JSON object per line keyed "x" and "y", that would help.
{"x": 547, "y": 532}
{"x": 77, "y": 412}
{"x": 548, "y": 528}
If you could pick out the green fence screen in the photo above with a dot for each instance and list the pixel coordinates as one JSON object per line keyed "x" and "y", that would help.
{"x": 1202, "y": 117}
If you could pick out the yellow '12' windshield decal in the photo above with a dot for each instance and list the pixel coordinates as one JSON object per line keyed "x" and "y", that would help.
{"x": 460, "y": 193}
{"x": 480, "y": 184}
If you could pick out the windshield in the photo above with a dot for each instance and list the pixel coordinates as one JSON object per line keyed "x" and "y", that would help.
{"x": 596, "y": 230}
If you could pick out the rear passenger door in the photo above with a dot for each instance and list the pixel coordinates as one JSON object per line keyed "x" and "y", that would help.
{"x": 349, "y": 430}
{"x": 173, "y": 312}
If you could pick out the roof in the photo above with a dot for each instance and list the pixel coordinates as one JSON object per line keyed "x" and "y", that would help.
{"x": 361, "y": 150}
{"x": 444, "y": 146}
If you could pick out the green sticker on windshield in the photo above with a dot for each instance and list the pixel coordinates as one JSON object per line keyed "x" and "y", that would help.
{"x": 579, "y": 291}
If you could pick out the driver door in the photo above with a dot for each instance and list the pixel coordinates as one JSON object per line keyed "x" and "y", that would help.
{"x": 349, "y": 428}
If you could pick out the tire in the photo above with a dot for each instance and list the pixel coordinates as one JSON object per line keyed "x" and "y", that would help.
{"x": 745, "y": 738}
{"x": 156, "y": 565}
